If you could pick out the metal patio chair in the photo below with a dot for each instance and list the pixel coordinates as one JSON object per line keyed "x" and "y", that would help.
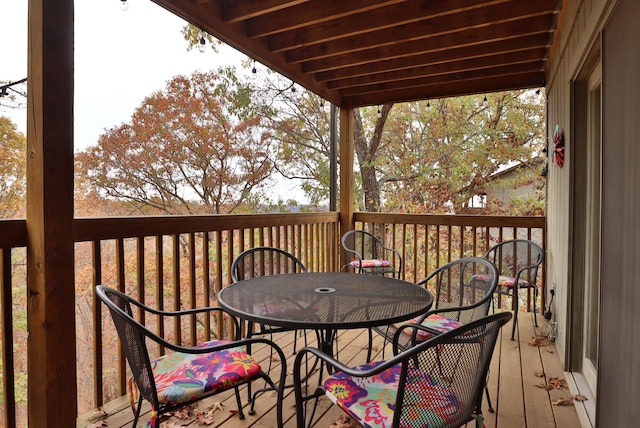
{"x": 437, "y": 383}
{"x": 368, "y": 254}
{"x": 517, "y": 261}
{"x": 187, "y": 374}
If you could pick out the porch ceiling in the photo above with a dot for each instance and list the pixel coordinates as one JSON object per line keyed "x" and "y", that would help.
{"x": 367, "y": 52}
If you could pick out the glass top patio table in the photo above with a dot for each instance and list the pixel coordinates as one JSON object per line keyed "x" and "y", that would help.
{"x": 325, "y": 300}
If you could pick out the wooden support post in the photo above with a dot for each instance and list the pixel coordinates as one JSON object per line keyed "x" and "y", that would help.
{"x": 346, "y": 174}
{"x": 52, "y": 390}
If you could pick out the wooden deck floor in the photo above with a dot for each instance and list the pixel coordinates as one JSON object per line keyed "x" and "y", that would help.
{"x": 519, "y": 371}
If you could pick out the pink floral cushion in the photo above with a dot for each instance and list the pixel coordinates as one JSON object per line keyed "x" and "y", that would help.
{"x": 504, "y": 281}
{"x": 370, "y": 263}
{"x": 181, "y": 377}
{"x": 434, "y": 322}
{"x": 371, "y": 400}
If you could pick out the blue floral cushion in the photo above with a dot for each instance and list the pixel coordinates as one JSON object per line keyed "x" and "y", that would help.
{"x": 371, "y": 401}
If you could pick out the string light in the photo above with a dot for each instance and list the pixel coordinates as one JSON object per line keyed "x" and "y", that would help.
{"x": 124, "y": 5}
{"x": 203, "y": 42}
{"x": 484, "y": 101}
{"x": 254, "y": 70}
{"x": 428, "y": 103}
{"x": 379, "y": 113}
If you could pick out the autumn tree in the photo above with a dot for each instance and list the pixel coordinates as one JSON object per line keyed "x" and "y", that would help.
{"x": 447, "y": 150}
{"x": 300, "y": 131}
{"x": 197, "y": 146}
{"x": 13, "y": 175}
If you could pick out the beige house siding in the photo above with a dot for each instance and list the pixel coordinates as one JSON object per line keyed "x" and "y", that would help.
{"x": 607, "y": 30}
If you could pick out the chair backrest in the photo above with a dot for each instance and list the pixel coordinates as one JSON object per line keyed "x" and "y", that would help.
{"x": 515, "y": 256}
{"x": 365, "y": 245}
{"x": 467, "y": 284}
{"x": 442, "y": 380}
{"x": 264, "y": 261}
{"x": 132, "y": 339}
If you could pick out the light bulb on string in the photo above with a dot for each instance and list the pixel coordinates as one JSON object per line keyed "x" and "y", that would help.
{"x": 428, "y": 103}
{"x": 202, "y": 46}
{"x": 484, "y": 101}
{"x": 254, "y": 70}
{"x": 124, "y": 5}
{"x": 379, "y": 113}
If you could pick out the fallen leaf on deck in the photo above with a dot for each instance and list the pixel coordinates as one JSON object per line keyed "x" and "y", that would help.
{"x": 216, "y": 406}
{"x": 544, "y": 386}
{"x": 99, "y": 424}
{"x": 182, "y": 412}
{"x": 172, "y": 425}
{"x": 549, "y": 351}
{"x": 539, "y": 374}
{"x": 580, "y": 397}
{"x": 275, "y": 358}
{"x": 202, "y": 417}
{"x": 558, "y": 383}
{"x": 233, "y": 412}
{"x": 98, "y": 414}
{"x": 344, "y": 421}
{"x": 563, "y": 402}
{"x": 539, "y": 341}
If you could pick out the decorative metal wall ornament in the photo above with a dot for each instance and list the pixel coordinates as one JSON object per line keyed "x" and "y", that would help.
{"x": 558, "y": 146}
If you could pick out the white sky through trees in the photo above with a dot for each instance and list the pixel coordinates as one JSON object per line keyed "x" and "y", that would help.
{"x": 120, "y": 58}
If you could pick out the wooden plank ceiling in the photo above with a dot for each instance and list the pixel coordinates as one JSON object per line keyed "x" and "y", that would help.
{"x": 368, "y": 52}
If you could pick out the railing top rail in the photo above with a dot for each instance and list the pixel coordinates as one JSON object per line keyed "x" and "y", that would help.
{"x": 451, "y": 219}
{"x": 86, "y": 229}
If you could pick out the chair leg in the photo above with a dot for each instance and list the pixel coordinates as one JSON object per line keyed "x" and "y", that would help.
{"x": 489, "y": 405}
{"x": 515, "y": 322}
{"x": 136, "y": 412}
{"x": 240, "y": 411}
{"x": 535, "y": 312}
{"x": 369, "y": 350}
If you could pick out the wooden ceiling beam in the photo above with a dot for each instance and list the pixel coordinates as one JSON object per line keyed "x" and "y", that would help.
{"x": 310, "y": 14}
{"x": 427, "y": 71}
{"x": 420, "y": 53}
{"x": 445, "y": 89}
{"x": 327, "y": 57}
{"x": 443, "y": 78}
{"x": 375, "y": 29}
{"x": 519, "y": 44}
{"x": 233, "y": 11}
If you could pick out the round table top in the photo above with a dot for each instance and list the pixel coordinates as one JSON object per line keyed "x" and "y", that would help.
{"x": 325, "y": 300}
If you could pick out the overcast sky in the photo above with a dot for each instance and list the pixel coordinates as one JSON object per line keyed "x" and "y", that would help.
{"x": 120, "y": 58}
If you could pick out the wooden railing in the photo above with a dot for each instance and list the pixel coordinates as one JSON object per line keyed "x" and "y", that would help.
{"x": 427, "y": 242}
{"x": 182, "y": 262}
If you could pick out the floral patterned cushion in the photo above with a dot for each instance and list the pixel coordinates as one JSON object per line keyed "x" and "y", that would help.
{"x": 181, "y": 377}
{"x": 504, "y": 281}
{"x": 371, "y": 401}
{"x": 434, "y": 322}
{"x": 370, "y": 263}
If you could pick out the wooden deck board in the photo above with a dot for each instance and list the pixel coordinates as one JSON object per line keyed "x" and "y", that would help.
{"x": 512, "y": 385}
